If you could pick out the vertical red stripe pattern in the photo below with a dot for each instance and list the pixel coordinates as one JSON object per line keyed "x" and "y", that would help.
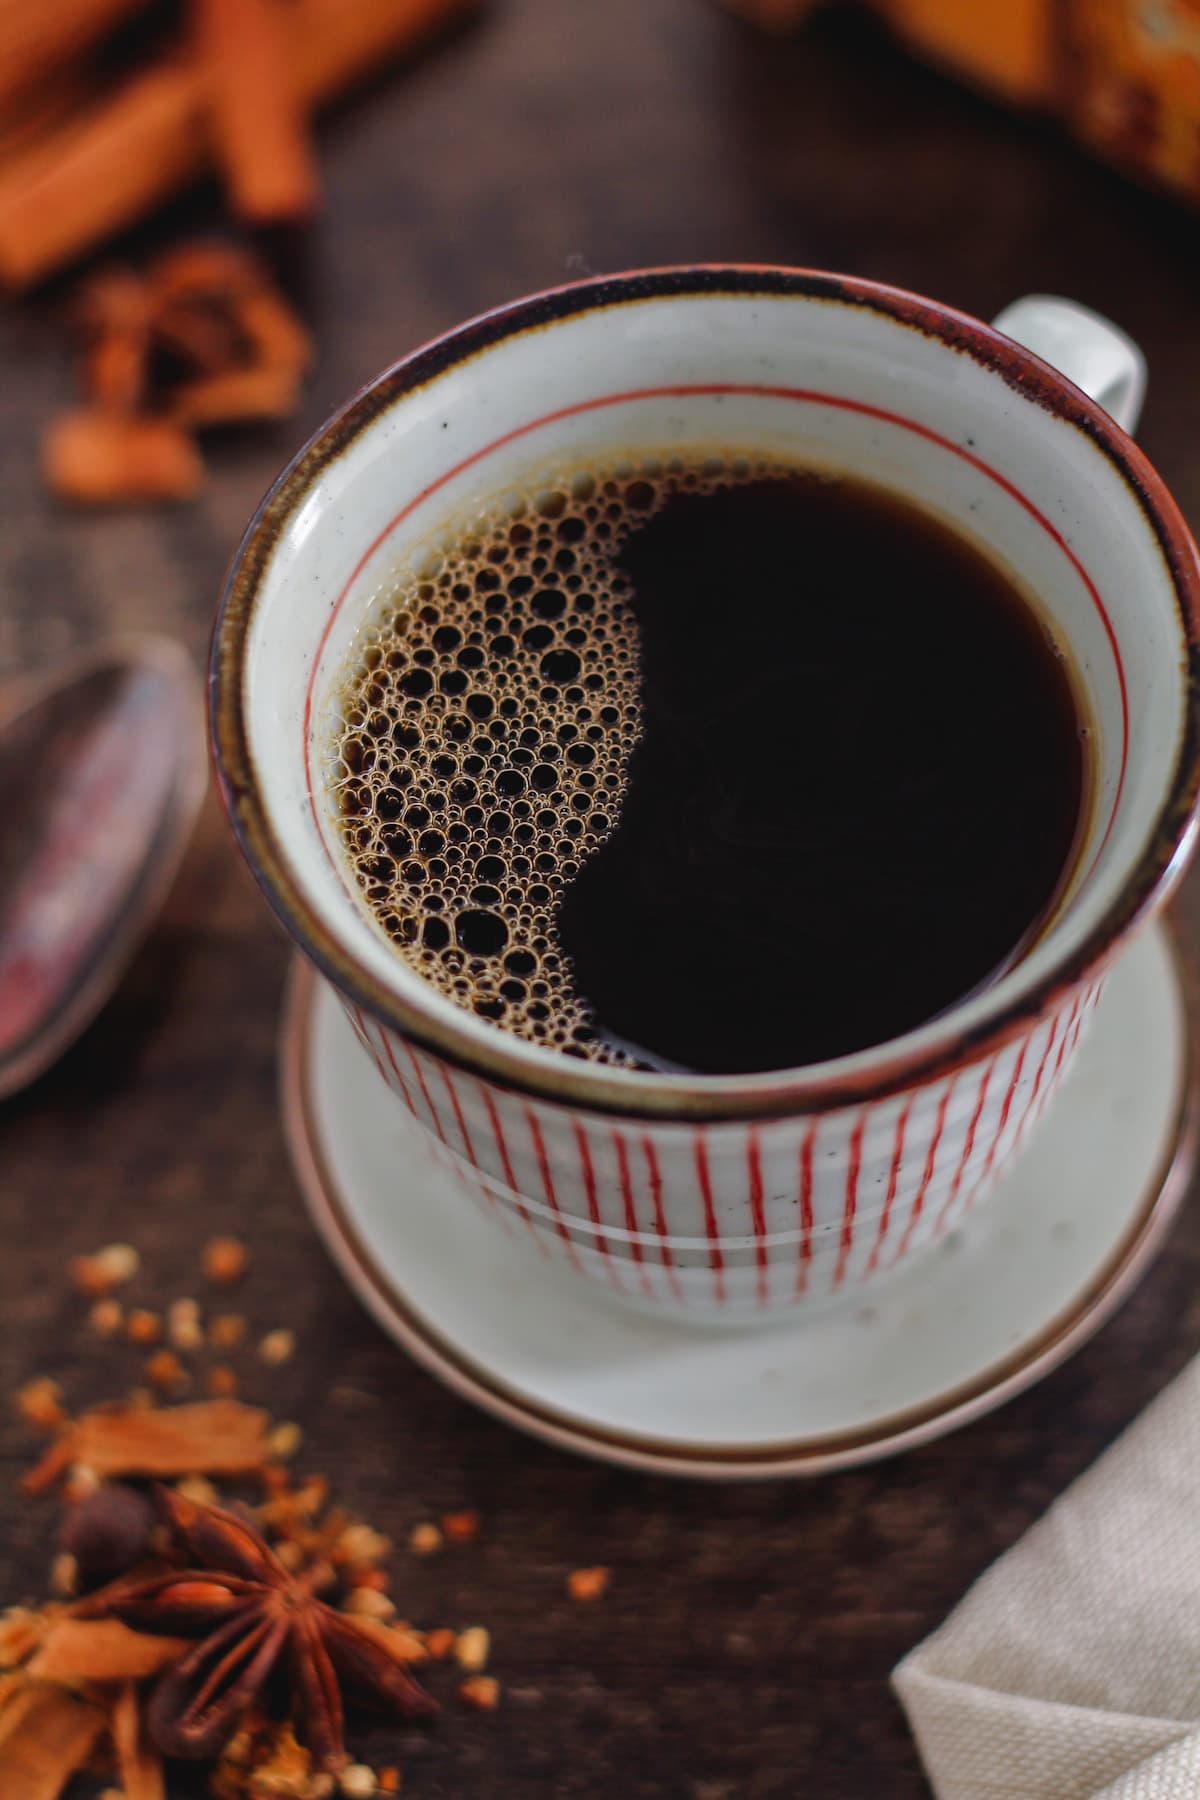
{"x": 360, "y": 1025}
{"x": 654, "y": 1176}
{"x": 459, "y": 1119}
{"x": 850, "y": 1203}
{"x": 918, "y": 1205}
{"x": 806, "y": 1206}
{"x": 1005, "y": 1110}
{"x": 548, "y": 1187}
{"x": 510, "y": 1180}
{"x": 754, "y": 1179}
{"x": 968, "y": 1148}
{"x": 885, "y": 1217}
{"x": 716, "y": 1261}
{"x": 631, "y": 1222}
{"x": 424, "y": 1087}
{"x": 1039, "y": 1077}
{"x": 587, "y": 1169}
{"x": 396, "y": 1077}
{"x": 478, "y": 1147}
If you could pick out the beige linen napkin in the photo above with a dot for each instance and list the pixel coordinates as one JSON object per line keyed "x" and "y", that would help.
{"x": 1071, "y": 1671}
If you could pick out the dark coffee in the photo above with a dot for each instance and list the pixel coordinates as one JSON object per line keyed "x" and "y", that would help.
{"x": 718, "y": 765}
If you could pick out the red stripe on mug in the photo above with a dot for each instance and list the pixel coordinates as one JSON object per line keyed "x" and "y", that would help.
{"x": 918, "y": 1205}
{"x": 459, "y": 1118}
{"x": 850, "y": 1203}
{"x": 806, "y": 1205}
{"x": 885, "y": 1217}
{"x": 1039, "y": 1077}
{"x": 548, "y": 1187}
{"x": 1069, "y": 1037}
{"x": 501, "y": 1141}
{"x": 394, "y": 1066}
{"x": 716, "y": 1260}
{"x": 757, "y": 1215}
{"x": 360, "y": 1025}
{"x": 593, "y": 1198}
{"x": 1002, "y": 1125}
{"x": 654, "y": 1174}
{"x": 631, "y": 1220}
{"x": 968, "y": 1148}
{"x": 424, "y": 1087}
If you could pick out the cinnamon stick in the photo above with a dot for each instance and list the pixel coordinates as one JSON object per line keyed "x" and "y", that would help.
{"x": 46, "y": 1736}
{"x": 259, "y": 120}
{"x": 37, "y": 36}
{"x": 36, "y": 112}
{"x": 106, "y": 170}
{"x": 139, "y": 1763}
{"x": 78, "y": 1650}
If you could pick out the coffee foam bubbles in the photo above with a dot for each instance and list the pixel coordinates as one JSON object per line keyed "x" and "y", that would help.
{"x": 485, "y": 734}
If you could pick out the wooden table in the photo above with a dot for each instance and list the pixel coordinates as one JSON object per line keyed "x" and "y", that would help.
{"x": 745, "y": 1645}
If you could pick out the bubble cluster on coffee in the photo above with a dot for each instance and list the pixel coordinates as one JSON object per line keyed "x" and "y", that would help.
{"x": 485, "y": 733}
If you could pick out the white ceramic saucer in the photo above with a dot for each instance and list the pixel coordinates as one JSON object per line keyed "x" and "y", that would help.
{"x": 978, "y": 1319}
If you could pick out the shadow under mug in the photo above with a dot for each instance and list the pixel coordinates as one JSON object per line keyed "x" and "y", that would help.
{"x": 745, "y": 1196}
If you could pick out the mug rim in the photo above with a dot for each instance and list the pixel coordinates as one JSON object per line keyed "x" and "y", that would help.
{"x": 707, "y": 1098}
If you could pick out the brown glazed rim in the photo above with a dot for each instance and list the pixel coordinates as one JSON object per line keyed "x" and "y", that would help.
{"x": 702, "y": 1098}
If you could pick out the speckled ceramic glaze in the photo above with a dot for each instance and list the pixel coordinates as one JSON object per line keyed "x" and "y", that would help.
{"x": 730, "y": 1197}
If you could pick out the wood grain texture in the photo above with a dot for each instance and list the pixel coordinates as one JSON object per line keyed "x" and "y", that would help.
{"x": 742, "y": 1652}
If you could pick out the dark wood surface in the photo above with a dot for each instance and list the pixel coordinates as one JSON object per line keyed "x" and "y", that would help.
{"x": 745, "y": 1646}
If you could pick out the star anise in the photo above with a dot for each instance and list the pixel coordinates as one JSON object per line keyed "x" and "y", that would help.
{"x": 252, "y": 1617}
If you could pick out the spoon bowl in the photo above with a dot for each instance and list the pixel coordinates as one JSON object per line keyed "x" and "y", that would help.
{"x": 103, "y": 767}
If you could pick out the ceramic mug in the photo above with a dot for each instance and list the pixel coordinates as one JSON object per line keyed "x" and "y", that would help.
{"x": 743, "y": 1196}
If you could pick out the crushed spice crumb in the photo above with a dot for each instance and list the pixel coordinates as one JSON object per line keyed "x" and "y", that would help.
{"x": 440, "y": 1643}
{"x": 107, "y": 1317}
{"x": 81, "y": 1483}
{"x": 360, "y": 1544}
{"x": 461, "y": 1527}
{"x": 226, "y": 1331}
{"x": 284, "y": 1441}
{"x": 226, "y": 1260}
{"x": 64, "y": 1575}
{"x": 588, "y": 1584}
{"x": 106, "y": 1269}
{"x": 165, "y": 1372}
{"x": 425, "y": 1540}
{"x": 369, "y": 1603}
{"x": 221, "y": 1382}
{"x": 277, "y": 1347}
{"x": 143, "y": 1326}
{"x": 199, "y": 1489}
{"x": 39, "y": 1403}
{"x": 472, "y": 1649}
{"x": 358, "y": 1782}
{"x": 183, "y": 1325}
{"x": 480, "y": 1692}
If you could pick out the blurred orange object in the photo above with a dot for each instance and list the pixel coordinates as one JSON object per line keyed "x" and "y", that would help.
{"x": 1123, "y": 75}
{"x": 259, "y": 115}
{"x": 137, "y": 144}
{"x": 36, "y": 38}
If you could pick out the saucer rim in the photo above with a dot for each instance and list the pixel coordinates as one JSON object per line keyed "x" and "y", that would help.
{"x": 888, "y": 1436}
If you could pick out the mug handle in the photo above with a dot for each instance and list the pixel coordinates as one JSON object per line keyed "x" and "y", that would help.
{"x": 1088, "y": 349}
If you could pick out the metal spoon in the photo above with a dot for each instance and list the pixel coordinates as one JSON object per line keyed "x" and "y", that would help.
{"x": 102, "y": 769}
